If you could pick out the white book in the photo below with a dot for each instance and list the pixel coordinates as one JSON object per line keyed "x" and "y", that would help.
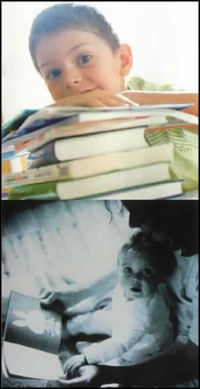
{"x": 39, "y": 138}
{"x": 80, "y": 114}
{"x": 113, "y": 181}
{"x": 150, "y": 192}
{"x": 90, "y": 145}
{"x": 91, "y": 186}
{"x": 90, "y": 166}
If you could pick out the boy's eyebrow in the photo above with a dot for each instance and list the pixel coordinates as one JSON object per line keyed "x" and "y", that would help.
{"x": 125, "y": 264}
{"x": 72, "y": 49}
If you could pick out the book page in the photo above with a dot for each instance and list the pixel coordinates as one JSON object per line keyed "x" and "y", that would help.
{"x": 28, "y": 362}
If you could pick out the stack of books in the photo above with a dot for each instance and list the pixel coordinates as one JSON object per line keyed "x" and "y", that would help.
{"x": 79, "y": 152}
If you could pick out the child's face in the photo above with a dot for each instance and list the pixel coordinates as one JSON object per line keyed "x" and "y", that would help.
{"x": 74, "y": 61}
{"x": 136, "y": 275}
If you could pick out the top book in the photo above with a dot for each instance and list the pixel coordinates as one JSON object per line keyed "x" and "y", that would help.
{"x": 48, "y": 118}
{"x": 52, "y": 115}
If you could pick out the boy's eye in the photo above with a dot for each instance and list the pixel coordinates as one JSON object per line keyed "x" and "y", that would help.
{"x": 148, "y": 272}
{"x": 83, "y": 59}
{"x": 53, "y": 74}
{"x": 127, "y": 270}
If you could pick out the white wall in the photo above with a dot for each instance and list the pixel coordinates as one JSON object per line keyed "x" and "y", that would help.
{"x": 41, "y": 244}
{"x": 162, "y": 35}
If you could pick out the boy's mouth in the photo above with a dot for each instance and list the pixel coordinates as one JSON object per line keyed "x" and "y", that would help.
{"x": 136, "y": 289}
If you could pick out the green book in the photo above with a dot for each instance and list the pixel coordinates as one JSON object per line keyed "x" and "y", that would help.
{"x": 90, "y": 186}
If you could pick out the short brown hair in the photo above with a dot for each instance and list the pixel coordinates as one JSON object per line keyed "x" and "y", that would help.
{"x": 71, "y": 15}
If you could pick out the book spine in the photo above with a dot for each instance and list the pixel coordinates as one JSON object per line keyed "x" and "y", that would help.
{"x": 38, "y": 175}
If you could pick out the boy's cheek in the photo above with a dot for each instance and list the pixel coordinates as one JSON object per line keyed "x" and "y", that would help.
{"x": 56, "y": 92}
{"x": 148, "y": 287}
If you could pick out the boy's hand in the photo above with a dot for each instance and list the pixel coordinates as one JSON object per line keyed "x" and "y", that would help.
{"x": 73, "y": 364}
{"x": 87, "y": 376}
{"x": 96, "y": 98}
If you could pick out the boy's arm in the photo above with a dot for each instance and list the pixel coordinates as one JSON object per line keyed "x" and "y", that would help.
{"x": 110, "y": 348}
{"x": 146, "y": 98}
{"x": 175, "y": 368}
{"x": 95, "y": 98}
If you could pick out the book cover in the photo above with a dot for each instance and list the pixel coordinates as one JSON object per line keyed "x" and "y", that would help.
{"x": 32, "y": 339}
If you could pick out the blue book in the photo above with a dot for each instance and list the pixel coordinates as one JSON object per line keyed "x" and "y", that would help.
{"x": 62, "y": 113}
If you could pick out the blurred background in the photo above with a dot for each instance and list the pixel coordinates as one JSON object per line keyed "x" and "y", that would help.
{"x": 45, "y": 241}
{"x": 162, "y": 35}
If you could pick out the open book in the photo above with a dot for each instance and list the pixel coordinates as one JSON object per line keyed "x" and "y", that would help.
{"x": 32, "y": 339}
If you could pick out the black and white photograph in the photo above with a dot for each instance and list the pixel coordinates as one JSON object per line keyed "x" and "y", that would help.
{"x": 100, "y": 293}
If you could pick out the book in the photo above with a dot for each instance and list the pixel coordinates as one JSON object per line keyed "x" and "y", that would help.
{"x": 83, "y": 114}
{"x": 89, "y": 145}
{"x": 32, "y": 339}
{"x": 163, "y": 190}
{"x": 89, "y": 127}
{"x": 90, "y": 166}
{"x": 153, "y": 123}
{"x": 90, "y": 186}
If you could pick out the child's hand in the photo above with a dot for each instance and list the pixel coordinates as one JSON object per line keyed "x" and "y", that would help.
{"x": 96, "y": 98}
{"x": 87, "y": 376}
{"x": 72, "y": 365}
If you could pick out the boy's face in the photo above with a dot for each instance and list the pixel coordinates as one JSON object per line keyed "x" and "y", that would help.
{"x": 74, "y": 61}
{"x": 136, "y": 275}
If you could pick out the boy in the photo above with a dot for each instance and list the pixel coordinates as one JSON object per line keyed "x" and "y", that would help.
{"x": 83, "y": 63}
{"x": 138, "y": 324}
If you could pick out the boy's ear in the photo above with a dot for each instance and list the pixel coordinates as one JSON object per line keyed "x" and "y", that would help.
{"x": 126, "y": 59}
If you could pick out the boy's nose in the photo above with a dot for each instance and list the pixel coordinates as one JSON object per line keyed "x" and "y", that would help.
{"x": 72, "y": 81}
{"x": 136, "y": 278}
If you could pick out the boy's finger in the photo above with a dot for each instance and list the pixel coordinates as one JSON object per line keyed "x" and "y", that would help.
{"x": 73, "y": 382}
{"x": 126, "y": 99}
{"x": 67, "y": 366}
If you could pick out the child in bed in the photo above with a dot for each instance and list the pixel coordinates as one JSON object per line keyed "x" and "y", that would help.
{"x": 138, "y": 324}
